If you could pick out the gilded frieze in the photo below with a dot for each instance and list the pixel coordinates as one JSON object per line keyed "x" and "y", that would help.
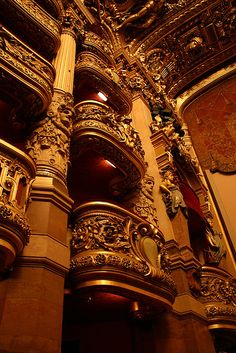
{"x": 218, "y": 293}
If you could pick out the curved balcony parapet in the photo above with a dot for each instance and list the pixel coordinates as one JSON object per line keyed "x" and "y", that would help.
{"x": 218, "y": 293}
{"x": 27, "y": 67}
{"x": 112, "y": 247}
{"x": 37, "y": 27}
{"x": 17, "y": 171}
{"x": 96, "y": 126}
{"x": 98, "y": 45}
{"x": 100, "y": 73}
{"x": 99, "y": 116}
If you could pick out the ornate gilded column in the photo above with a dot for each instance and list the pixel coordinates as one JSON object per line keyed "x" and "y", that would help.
{"x": 49, "y": 142}
{"x": 41, "y": 268}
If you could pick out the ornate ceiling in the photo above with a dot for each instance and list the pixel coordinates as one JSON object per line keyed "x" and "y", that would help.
{"x": 175, "y": 42}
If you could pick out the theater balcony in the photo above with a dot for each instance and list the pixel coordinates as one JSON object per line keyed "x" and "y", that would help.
{"x": 17, "y": 171}
{"x": 114, "y": 250}
{"x": 98, "y": 130}
{"x": 95, "y": 72}
{"x": 218, "y": 293}
{"x": 33, "y": 25}
{"x": 26, "y": 78}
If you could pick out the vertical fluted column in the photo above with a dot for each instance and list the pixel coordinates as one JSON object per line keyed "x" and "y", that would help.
{"x": 65, "y": 59}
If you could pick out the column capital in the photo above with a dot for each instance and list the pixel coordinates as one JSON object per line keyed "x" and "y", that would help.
{"x": 71, "y": 25}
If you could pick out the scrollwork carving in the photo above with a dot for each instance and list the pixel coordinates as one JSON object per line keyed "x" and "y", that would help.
{"x": 216, "y": 311}
{"x": 217, "y": 289}
{"x": 102, "y": 232}
{"x": 125, "y": 242}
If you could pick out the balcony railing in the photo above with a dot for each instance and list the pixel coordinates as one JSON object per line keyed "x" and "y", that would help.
{"x": 100, "y": 73}
{"x": 113, "y": 248}
{"x": 97, "y": 127}
{"x": 218, "y": 293}
{"x": 17, "y": 171}
{"x": 28, "y": 72}
{"x": 34, "y": 24}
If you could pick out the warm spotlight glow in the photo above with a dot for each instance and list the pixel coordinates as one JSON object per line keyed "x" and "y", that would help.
{"x": 102, "y": 96}
{"x": 110, "y": 163}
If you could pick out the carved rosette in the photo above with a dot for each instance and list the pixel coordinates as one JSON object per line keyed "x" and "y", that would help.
{"x": 218, "y": 293}
{"x": 109, "y": 241}
{"x": 17, "y": 171}
{"x": 49, "y": 142}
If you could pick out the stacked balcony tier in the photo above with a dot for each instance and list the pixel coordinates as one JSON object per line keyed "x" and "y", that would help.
{"x": 17, "y": 171}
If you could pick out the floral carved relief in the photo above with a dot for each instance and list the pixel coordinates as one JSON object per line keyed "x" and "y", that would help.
{"x": 119, "y": 241}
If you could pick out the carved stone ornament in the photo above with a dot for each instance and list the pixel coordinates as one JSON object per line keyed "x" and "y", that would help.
{"x": 93, "y": 40}
{"x": 142, "y": 203}
{"x": 172, "y": 195}
{"x": 102, "y": 239}
{"x": 130, "y": 16}
{"x": 214, "y": 249}
{"x": 121, "y": 241}
{"x": 218, "y": 294}
{"x": 49, "y": 142}
{"x": 102, "y": 117}
{"x": 213, "y": 311}
{"x": 216, "y": 289}
{"x": 71, "y": 24}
